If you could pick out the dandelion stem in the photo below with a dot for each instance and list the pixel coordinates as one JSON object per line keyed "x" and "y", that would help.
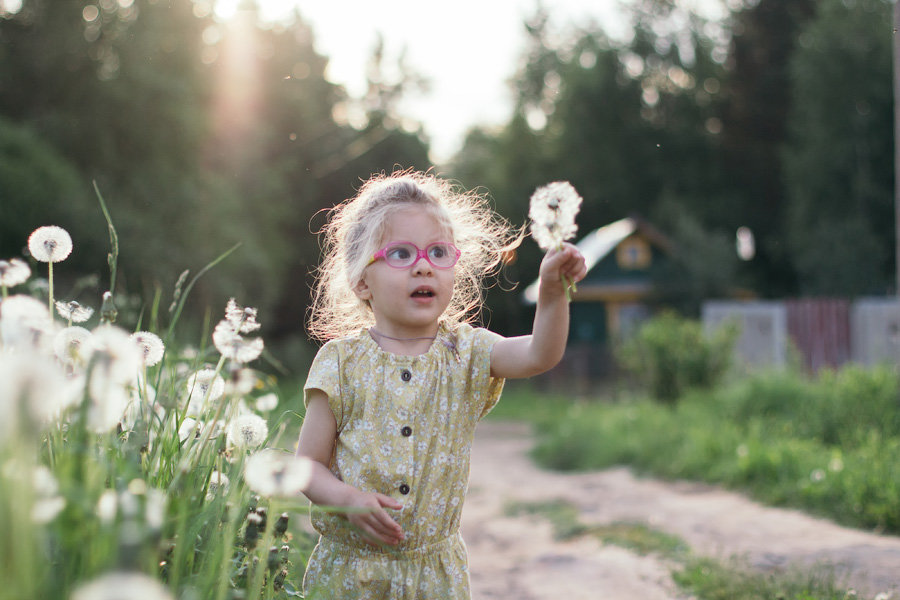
{"x": 50, "y": 277}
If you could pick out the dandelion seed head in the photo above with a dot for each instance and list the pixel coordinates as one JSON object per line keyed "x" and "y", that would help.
{"x": 108, "y": 506}
{"x": 247, "y": 431}
{"x": 552, "y": 210}
{"x": 242, "y": 319}
{"x": 25, "y": 322}
{"x": 271, "y": 473}
{"x": 231, "y": 345}
{"x": 50, "y": 244}
{"x": 36, "y": 383}
{"x": 155, "y": 508}
{"x": 73, "y": 311}
{"x": 72, "y": 346}
{"x": 151, "y": 347}
{"x": 122, "y": 586}
{"x": 241, "y": 382}
{"x": 187, "y": 429}
{"x": 206, "y": 385}
{"x": 14, "y": 272}
{"x": 266, "y": 402}
{"x": 218, "y": 485}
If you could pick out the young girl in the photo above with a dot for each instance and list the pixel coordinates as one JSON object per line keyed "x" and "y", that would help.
{"x": 393, "y": 398}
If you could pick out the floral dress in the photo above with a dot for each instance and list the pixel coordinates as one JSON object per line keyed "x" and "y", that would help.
{"x": 405, "y": 427}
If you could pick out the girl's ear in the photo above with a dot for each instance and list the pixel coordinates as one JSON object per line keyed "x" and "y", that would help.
{"x": 361, "y": 289}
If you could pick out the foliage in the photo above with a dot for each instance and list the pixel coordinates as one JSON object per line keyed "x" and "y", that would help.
{"x": 123, "y": 456}
{"x": 839, "y": 160}
{"x": 830, "y": 446}
{"x": 670, "y": 355}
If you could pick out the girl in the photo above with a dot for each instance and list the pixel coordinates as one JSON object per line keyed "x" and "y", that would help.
{"x": 393, "y": 398}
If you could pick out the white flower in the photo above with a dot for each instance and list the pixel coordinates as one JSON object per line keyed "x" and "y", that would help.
{"x": 218, "y": 485}
{"x": 113, "y": 374}
{"x": 123, "y": 586}
{"x": 272, "y": 473}
{"x": 552, "y": 211}
{"x": 108, "y": 506}
{"x": 243, "y": 320}
{"x": 266, "y": 402}
{"x": 72, "y": 345}
{"x": 247, "y": 431}
{"x": 151, "y": 347}
{"x": 50, "y": 244}
{"x": 13, "y": 272}
{"x": 155, "y": 508}
{"x": 34, "y": 383}
{"x": 203, "y": 385}
{"x": 24, "y": 321}
{"x": 187, "y": 429}
{"x": 73, "y": 311}
{"x": 231, "y": 345}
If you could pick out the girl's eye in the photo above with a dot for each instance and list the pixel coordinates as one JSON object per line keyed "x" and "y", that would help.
{"x": 438, "y": 251}
{"x": 399, "y": 253}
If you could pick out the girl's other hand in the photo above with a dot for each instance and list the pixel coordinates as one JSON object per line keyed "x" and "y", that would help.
{"x": 371, "y": 519}
{"x": 566, "y": 262}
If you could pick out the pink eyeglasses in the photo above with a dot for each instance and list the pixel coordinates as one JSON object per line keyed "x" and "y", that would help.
{"x": 402, "y": 255}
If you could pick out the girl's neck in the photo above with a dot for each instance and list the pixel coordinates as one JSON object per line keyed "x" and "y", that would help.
{"x": 398, "y": 344}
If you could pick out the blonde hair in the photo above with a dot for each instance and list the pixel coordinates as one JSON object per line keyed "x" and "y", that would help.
{"x": 355, "y": 229}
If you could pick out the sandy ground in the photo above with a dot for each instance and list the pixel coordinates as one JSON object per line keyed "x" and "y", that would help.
{"x": 516, "y": 558}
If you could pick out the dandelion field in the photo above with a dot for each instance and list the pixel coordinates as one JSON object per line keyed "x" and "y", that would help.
{"x": 130, "y": 468}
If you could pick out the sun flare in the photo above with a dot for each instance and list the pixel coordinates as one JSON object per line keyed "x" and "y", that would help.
{"x": 269, "y": 10}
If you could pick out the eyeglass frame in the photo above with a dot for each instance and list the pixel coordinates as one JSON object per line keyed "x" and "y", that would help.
{"x": 420, "y": 254}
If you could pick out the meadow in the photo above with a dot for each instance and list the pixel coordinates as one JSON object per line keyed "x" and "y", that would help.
{"x": 130, "y": 466}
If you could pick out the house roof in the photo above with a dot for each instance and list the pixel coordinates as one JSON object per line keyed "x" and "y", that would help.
{"x": 596, "y": 245}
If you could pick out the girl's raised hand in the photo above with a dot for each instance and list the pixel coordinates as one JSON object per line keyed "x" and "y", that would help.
{"x": 369, "y": 516}
{"x": 559, "y": 264}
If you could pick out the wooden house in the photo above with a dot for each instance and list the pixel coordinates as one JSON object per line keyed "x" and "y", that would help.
{"x": 612, "y": 299}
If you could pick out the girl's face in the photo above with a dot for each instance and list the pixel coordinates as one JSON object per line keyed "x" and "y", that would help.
{"x": 407, "y": 302}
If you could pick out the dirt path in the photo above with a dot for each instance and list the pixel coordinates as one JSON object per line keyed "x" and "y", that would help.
{"x": 516, "y": 558}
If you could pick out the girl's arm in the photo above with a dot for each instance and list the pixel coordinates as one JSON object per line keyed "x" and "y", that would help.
{"x": 533, "y": 354}
{"x": 317, "y": 435}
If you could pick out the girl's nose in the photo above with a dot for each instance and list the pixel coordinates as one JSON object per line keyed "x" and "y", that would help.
{"x": 421, "y": 266}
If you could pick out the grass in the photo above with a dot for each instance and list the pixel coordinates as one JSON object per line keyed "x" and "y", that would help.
{"x": 829, "y": 446}
{"x": 704, "y": 578}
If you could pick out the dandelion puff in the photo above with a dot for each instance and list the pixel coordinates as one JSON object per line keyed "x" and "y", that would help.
{"x": 267, "y": 402}
{"x": 115, "y": 362}
{"x": 218, "y": 485}
{"x": 122, "y": 586}
{"x": 50, "y": 244}
{"x": 187, "y": 428}
{"x": 204, "y": 385}
{"x": 247, "y": 431}
{"x": 271, "y": 473}
{"x": 14, "y": 272}
{"x": 25, "y": 322}
{"x": 72, "y": 346}
{"x": 34, "y": 389}
{"x": 552, "y": 210}
{"x": 234, "y": 347}
{"x": 151, "y": 347}
{"x": 73, "y": 311}
{"x": 242, "y": 319}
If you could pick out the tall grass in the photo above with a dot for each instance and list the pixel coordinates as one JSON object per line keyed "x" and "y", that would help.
{"x": 830, "y": 445}
{"x": 129, "y": 472}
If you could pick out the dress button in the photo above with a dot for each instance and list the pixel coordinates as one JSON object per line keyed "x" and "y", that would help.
{"x": 405, "y": 375}
{"x": 406, "y": 431}
{"x": 404, "y": 489}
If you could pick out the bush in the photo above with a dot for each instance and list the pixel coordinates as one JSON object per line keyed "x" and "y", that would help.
{"x": 670, "y": 354}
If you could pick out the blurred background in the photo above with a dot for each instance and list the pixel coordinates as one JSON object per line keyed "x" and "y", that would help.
{"x": 753, "y": 139}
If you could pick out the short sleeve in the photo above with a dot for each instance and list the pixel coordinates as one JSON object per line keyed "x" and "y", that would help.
{"x": 485, "y": 388}
{"x": 325, "y": 375}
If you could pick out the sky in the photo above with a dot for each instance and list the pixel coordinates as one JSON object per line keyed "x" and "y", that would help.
{"x": 467, "y": 49}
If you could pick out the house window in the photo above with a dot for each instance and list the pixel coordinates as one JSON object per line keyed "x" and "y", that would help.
{"x": 633, "y": 253}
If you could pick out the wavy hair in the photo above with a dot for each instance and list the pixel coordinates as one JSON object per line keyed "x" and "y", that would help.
{"x": 354, "y": 231}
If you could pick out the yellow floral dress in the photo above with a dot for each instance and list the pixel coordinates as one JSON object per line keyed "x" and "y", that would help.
{"x": 405, "y": 427}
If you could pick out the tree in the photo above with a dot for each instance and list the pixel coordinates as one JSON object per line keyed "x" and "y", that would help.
{"x": 839, "y": 159}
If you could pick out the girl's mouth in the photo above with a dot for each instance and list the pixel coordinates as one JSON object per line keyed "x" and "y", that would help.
{"x": 423, "y": 292}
